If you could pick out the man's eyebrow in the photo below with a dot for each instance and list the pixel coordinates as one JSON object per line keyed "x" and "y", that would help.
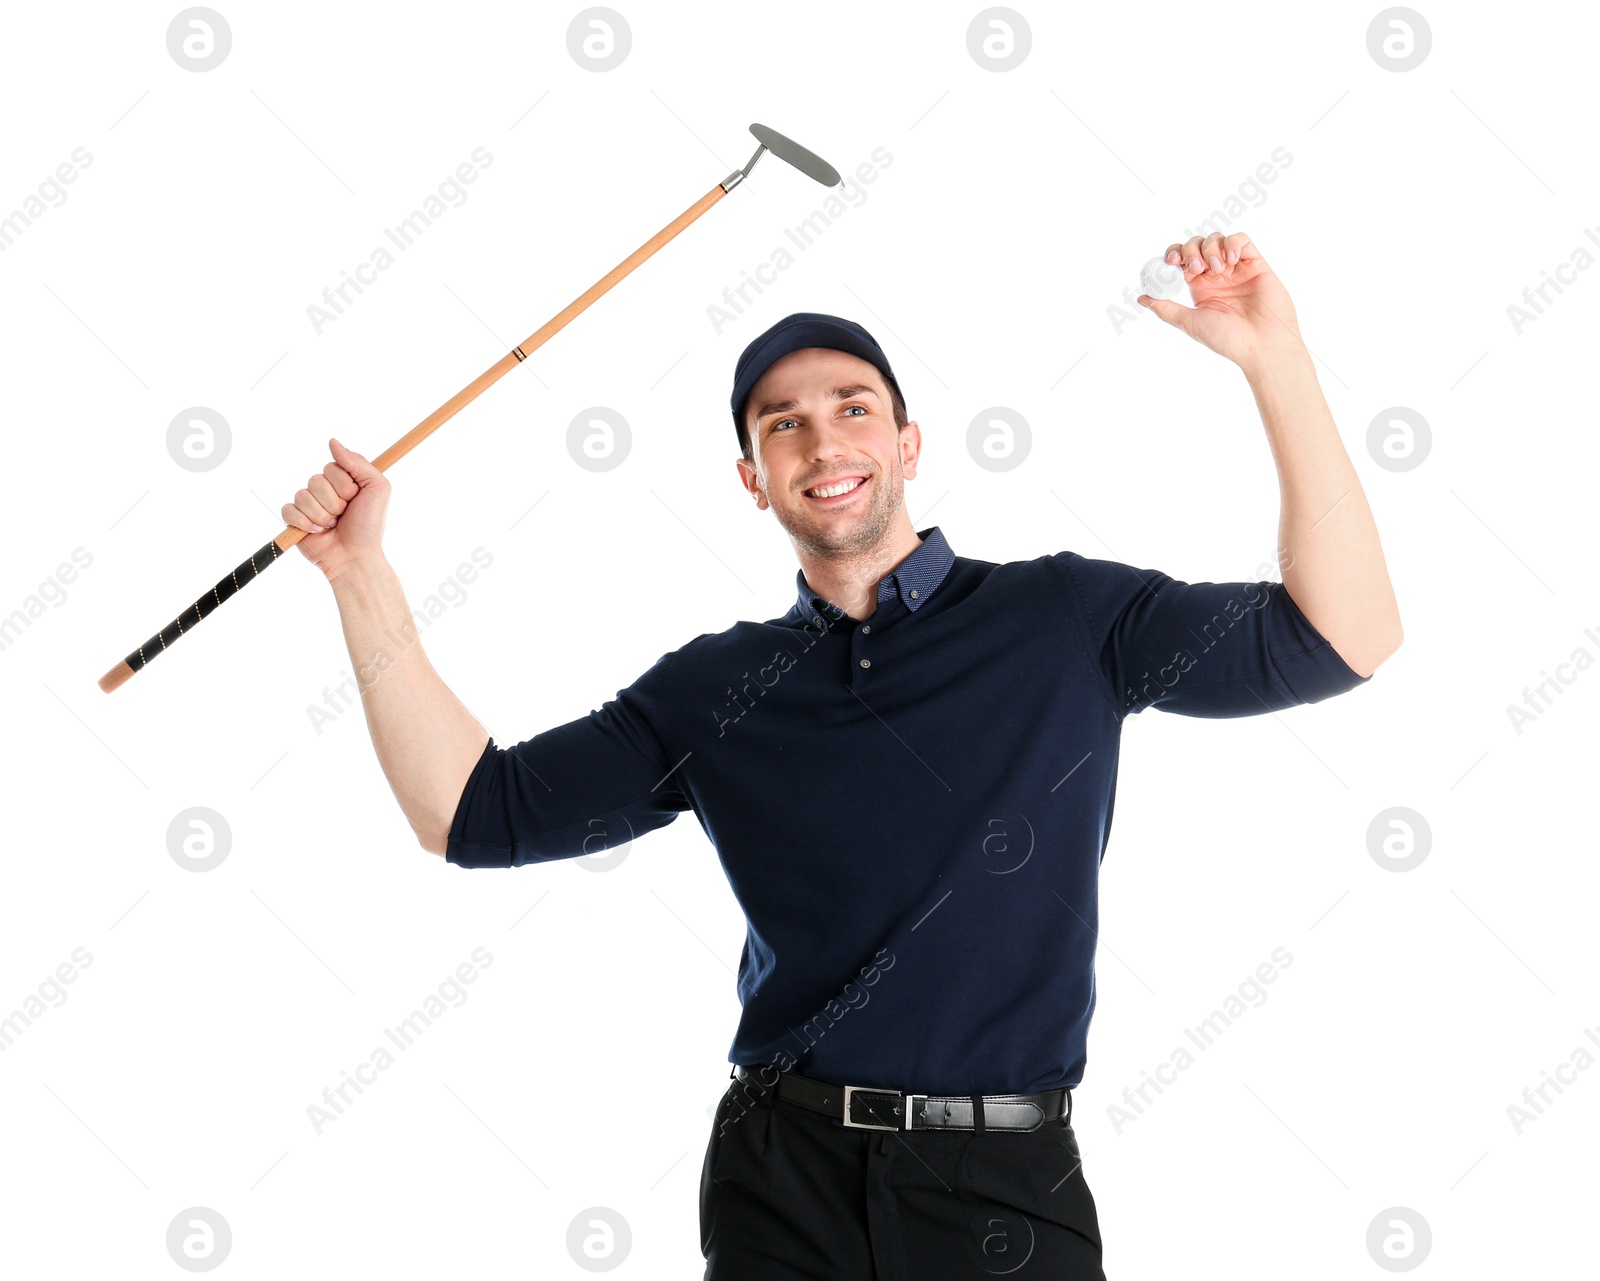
{"x": 838, "y": 393}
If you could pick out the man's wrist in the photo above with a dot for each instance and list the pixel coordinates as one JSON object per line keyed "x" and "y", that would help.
{"x": 359, "y": 575}
{"x": 1277, "y": 363}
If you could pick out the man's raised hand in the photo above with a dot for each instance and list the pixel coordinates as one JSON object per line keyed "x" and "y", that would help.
{"x": 342, "y": 510}
{"x": 1241, "y": 310}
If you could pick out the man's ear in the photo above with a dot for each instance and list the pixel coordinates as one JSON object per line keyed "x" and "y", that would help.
{"x": 910, "y": 446}
{"x": 750, "y": 478}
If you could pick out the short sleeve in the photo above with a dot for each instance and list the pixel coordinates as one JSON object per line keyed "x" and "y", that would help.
{"x": 580, "y": 788}
{"x": 1199, "y": 649}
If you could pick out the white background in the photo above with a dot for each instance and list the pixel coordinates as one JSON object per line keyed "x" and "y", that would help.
{"x": 1018, "y": 207}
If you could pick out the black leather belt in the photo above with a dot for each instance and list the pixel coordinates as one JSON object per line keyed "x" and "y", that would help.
{"x": 860, "y": 1107}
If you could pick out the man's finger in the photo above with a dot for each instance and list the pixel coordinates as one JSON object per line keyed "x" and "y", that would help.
{"x": 1175, "y": 314}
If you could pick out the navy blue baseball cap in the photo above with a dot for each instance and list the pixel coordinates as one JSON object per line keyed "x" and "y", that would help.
{"x": 792, "y": 333}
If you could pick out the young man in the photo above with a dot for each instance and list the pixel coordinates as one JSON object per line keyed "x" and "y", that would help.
{"x": 908, "y": 778}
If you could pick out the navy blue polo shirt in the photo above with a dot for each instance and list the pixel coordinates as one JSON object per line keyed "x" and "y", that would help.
{"x": 911, "y": 809}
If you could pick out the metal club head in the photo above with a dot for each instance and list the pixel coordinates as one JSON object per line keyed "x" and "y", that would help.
{"x": 807, "y": 162}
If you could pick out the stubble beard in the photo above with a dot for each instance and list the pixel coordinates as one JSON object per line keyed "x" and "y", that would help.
{"x": 856, "y": 535}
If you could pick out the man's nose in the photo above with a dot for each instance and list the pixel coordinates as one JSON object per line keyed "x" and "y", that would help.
{"x": 828, "y": 442}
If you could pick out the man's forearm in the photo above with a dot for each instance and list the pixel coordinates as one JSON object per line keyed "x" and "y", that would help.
{"x": 1333, "y": 560}
{"x": 426, "y": 740}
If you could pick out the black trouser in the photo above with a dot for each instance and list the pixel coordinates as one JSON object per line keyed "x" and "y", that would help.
{"x": 787, "y": 1193}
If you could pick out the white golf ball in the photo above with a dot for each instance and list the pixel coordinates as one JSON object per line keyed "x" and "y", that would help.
{"x": 1160, "y": 279}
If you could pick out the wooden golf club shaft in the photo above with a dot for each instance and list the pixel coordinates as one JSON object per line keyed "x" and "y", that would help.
{"x": 263, "y": 556}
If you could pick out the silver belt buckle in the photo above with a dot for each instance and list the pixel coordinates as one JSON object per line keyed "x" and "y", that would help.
{"x": 868, "y": 1125}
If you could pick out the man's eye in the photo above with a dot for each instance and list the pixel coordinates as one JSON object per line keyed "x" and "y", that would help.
{"x": 780, "y": 422}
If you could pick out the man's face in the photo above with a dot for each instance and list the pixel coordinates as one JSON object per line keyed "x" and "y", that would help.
{"x": 819, "y": 418}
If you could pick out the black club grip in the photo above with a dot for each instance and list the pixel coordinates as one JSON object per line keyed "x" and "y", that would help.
{"x": 241, "y": 577}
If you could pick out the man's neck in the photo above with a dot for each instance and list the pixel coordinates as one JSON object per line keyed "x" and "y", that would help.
{"x": 852, "y": 584}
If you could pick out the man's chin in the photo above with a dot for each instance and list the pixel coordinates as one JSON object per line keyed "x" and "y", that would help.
{"x": 840, "y": 532}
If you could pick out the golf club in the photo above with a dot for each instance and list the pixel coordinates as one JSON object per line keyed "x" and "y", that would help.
{"x": 807, "y": 162}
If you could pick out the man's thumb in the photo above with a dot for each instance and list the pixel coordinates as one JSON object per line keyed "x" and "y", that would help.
{"x": 1175, "y": 314}
{"x": 358, "y": 467}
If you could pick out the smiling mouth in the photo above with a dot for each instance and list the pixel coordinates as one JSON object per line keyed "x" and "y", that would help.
{"x": 839, "y": 491}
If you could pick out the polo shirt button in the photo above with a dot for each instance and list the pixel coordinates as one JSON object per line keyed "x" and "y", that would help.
{"x": 913, "y": 593}
{"x": 866, "y": 629}
{"x": 866, "y": 662}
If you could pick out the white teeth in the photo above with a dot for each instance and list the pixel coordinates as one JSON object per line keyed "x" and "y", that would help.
{"x": 833, "y": 491}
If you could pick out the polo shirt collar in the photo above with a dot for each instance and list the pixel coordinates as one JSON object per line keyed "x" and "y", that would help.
{"x": 914, "y": 579}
